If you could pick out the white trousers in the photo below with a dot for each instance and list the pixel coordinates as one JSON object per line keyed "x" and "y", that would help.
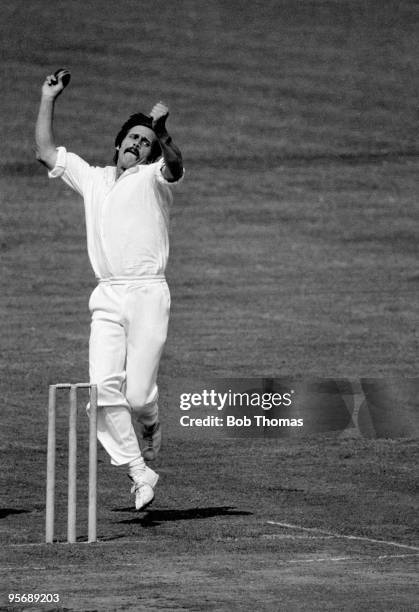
{"x": 128, "y": 332}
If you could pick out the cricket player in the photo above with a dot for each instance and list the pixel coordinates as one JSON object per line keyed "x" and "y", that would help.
{"x": 127, "y": 215}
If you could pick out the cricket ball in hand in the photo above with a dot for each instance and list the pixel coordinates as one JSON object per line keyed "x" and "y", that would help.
{"x": 65, "y": 77}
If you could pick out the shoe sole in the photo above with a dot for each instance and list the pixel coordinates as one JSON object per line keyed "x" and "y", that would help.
{"x": 145, "y": 506}
{"x": 151, "y": 481}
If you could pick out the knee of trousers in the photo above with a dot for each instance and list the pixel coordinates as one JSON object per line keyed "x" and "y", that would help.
{"x": 142, "y": 401}
{"x": 110, "y": 391}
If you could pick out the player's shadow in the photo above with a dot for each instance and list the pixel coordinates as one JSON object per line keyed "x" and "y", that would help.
{"x": 4, "y": 512}
{"x": 151, "y": 518}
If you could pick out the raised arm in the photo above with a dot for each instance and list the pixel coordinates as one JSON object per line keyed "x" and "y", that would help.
{"x": 46, "y": 151}
{"x": 173, "y": 166}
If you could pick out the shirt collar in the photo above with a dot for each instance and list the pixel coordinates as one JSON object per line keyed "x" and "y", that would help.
{"x": 111, "y": 172}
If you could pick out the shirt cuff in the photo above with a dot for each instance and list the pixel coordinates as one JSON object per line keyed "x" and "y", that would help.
{"x": 60, "y": 164}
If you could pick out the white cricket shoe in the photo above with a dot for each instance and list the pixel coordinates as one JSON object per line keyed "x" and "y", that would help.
{"x": 144, "y": 480}
{"x": 151, "y": 441}
{"x": 144, "y": 495}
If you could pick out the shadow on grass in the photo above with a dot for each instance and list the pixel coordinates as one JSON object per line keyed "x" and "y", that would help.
{"x": 4, "y": 512}
{"x": 152, "y": 518}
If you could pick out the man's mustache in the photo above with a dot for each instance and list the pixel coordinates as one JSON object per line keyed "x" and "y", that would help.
{"x": 132, "y": 150}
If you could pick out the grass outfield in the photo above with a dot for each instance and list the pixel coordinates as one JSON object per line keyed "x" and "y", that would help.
{"x": 293, "y": 252}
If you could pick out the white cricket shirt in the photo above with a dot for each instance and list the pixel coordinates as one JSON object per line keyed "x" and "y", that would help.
{"x": 127, "y": 220}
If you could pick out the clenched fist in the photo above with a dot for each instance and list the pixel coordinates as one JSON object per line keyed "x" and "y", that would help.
{"x": 159, "y": 114}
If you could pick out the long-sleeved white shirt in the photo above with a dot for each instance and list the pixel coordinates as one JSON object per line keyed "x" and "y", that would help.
{"x": 127, "y": 220}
